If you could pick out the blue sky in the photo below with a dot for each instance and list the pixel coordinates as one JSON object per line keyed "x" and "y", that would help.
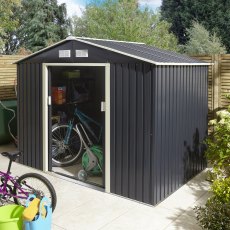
{"x": 75, "y": 7}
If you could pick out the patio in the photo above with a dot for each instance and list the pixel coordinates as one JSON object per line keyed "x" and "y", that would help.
{"x": 80, "y": 207}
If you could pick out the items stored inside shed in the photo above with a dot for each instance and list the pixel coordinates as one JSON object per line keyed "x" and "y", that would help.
{"x": 78, "y": 94}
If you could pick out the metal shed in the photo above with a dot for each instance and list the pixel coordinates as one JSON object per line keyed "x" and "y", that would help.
{"x": 156, "y": 105}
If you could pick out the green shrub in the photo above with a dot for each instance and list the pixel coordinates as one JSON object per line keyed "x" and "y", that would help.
{"x": 221, "y": 190}
{"x": 218, "y": 143}
{"x": 215, "y": 215}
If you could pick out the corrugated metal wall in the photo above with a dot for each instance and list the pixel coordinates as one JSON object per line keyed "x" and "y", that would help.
{"x": 181, "y": 111}
{"x": 132, "y": 125}
{"x": 30, "y": 113}
{"x": 159, "y": 117}
{"x": 211, "y": 73}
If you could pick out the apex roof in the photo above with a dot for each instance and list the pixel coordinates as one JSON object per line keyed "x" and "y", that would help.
{"x": 136, "y": 50}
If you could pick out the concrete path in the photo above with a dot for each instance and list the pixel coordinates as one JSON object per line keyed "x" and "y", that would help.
{"x": 83, "y": 208}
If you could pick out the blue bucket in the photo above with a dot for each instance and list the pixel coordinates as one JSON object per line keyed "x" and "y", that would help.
{"x": 40, "y": 222}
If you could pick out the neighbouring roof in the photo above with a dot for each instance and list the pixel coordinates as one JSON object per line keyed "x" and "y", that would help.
{"x": 135, "y": 50}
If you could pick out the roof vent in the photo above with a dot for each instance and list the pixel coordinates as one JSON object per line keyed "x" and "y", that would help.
{"x": 81, "y": 53}
{"x": 64, "y": 53}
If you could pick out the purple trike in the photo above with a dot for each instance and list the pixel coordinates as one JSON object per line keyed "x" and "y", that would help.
{"x": 18, "y": 189}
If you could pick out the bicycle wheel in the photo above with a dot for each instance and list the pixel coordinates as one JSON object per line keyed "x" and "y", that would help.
{"x": 33, "y": 183}
{"x": 65, "y": 154}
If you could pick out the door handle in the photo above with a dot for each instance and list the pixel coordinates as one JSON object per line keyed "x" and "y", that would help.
{"x": 103, "y": 106}
{"x": 49, "y": 100}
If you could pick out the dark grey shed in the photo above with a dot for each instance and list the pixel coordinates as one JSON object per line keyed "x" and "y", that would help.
{"x": 156, "y": 105}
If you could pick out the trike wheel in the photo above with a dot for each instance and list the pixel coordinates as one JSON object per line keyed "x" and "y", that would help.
{"x": 36, "y": 184}
{"x": 82, "y": 175}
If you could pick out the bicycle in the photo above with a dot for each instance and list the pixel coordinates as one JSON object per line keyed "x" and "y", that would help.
{"x": 68, "y": 141}
{"x": 19, "y": 188}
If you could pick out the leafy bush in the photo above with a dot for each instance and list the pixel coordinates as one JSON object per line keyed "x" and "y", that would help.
{"x": 214, "y": 215}
{"x": 221, "y": 190}
{"x": 218, "y": 143}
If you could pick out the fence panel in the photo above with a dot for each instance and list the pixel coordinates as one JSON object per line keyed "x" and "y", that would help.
{"x": 224, "y": 79}
{"x": 218, "y": 83}
{"x": 8, "y": 76}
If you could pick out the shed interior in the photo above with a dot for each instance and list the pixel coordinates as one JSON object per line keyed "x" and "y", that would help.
{"x": 81, "y": 88}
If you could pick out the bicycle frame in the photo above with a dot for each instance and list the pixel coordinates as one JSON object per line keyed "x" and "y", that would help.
{"x": 83, "y": 118}
{"x": 67, "y": 136}
{"x": 3, "y": 187}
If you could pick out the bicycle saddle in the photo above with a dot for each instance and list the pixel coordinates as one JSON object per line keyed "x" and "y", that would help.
{"x": 11, "y": 155}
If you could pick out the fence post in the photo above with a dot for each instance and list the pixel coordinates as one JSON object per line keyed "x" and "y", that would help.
{"x": 216, "y": 83}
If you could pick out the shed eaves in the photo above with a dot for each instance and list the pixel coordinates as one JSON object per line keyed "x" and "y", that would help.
{"x": 135, "y": 50}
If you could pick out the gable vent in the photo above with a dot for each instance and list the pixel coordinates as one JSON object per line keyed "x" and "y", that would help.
{"x": 64, "y": 53}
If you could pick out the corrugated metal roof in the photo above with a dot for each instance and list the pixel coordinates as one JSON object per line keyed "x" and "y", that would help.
{"x": 135, "y": 50}
{"x": 143, "y": 52}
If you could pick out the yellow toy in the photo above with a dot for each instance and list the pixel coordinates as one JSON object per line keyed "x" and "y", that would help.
{"x": 31, "y": 211}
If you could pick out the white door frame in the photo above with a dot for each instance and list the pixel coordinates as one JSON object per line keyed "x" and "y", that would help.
{"x": 46, "y": 100}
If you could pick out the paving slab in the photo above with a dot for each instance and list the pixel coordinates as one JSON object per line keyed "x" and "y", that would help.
{"x": 83, "y": 208}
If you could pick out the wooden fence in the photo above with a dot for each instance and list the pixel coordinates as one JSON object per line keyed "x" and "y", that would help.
{"x": 8, "y": 76}
{"x": 218, "y": 82}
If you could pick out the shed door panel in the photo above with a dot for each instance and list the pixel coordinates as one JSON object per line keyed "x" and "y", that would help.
{"x": 131, "y": 130}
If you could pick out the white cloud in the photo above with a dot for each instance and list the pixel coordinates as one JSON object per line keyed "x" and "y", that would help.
{"x": 76, "y": 7}
{"x": 73, "y": 7}
{"x": 151, "y": 3}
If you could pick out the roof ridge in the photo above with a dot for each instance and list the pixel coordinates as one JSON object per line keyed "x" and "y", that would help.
{"x": 100, "y": 39}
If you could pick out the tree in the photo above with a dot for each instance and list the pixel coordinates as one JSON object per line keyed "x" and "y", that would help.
{"x": 201, "y": 42}
{"x": 8, "y": 22}
{"x": 43, "y": 22}
{"x": 124, "y": 20}
{"x": 213, "y": 14}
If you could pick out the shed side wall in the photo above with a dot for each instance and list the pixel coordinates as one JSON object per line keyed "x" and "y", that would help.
{"x": 181, "y": 114}
{"x": 30, "y": 113}
{"x": 158, "y": 119}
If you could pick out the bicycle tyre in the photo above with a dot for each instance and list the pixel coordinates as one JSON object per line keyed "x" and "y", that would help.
{"x": 51, "y": 194}
{"x": 65, "y": 155}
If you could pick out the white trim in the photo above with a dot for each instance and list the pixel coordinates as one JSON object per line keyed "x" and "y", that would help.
{"x": 108, "y": 40}
{"x": 76, "y": 64}
{"x": 45, "y": 146}
{"x": 107, "y": 128}
{"x": 107, "y": 114}
{"x": 184, "y": 64}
